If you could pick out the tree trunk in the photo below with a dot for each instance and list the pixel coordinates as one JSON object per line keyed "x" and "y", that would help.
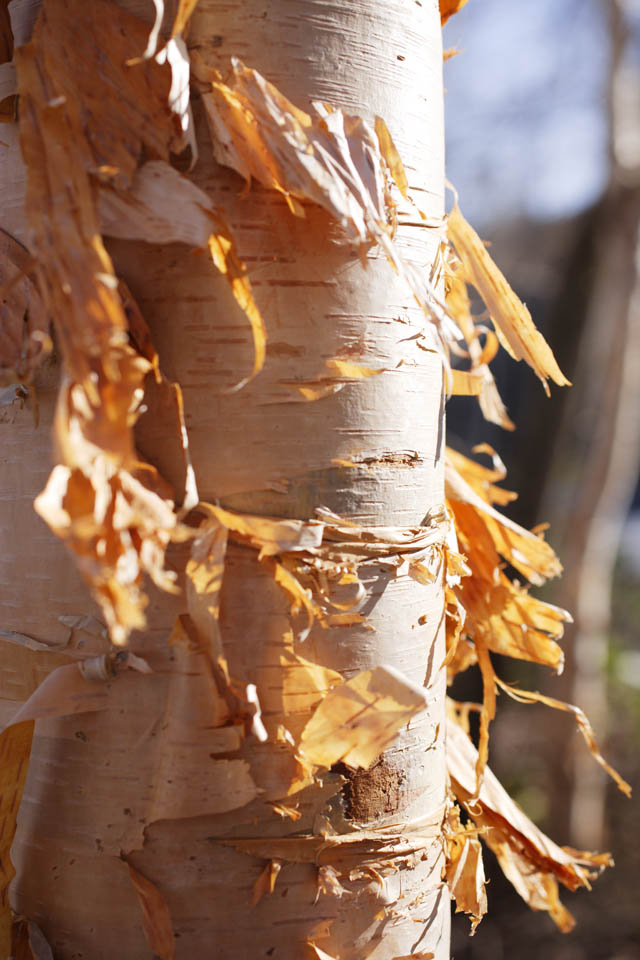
{"x": 591, "y": 484}
{"x": 145, "y": 779}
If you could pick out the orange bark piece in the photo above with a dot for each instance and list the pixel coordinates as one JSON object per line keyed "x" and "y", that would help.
{"x": 15, "y": 749}
{"x": 449, "y": 7}
{"x": 512, "y": 321}
{"x": 156, "y": 918}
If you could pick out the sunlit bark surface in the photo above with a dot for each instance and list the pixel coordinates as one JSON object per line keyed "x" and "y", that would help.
{"x": 97, "y": 781}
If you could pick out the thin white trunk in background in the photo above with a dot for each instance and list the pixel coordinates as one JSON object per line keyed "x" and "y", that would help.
{"x": 601, "y": 431}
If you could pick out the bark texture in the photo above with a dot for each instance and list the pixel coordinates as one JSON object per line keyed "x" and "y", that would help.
{"x": 149, "y": 778}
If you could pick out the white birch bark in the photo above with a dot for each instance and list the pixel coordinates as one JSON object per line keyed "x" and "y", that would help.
{"x": 94, "y": 779}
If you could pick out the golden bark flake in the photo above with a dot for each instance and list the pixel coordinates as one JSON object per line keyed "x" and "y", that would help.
{"x": 291, "y": 813}
{"x": 360, "y": 718}
{"x": 225, "y": 258}
{"x": 449, "y": 7}
{"x": 486, "y": 610}
{"x": 512, "y": 622}
{"x": 24, "y": 324}
{"x": 266, "y": 882}
{"x": 511, "y": 319}
{"x": 156, "y": 918}
{"x": 262, "y": 135}
{"x": 530, "y": 860}
{"x": 15, "y": 749}
{"x": 301, "y": 598}
{"x": 464, "y": 384}
{"x": 337, "y": 374}
{"x": 352, "y": 371}
{"x": 269, "y": 535}
{"x": 183, "y": 15}
{"x": 304, "y": 683}
{"x": 391, "y": 157}
{"x": 332, "y": 159}
{"x": 159, "y": 206}
{"x": 465, "y": 869}
{"x": 483, "y": 479}
{"x": 478, "y": 381}
{"x": 118, "y": 527}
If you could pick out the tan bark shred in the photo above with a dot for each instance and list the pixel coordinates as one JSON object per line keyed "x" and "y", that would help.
{"x": 97, "y": 498}
{"x": 156, "y": 918}
{"x": 28, "y": 941}
{"x": 478, "y": 381}
{"x": 112, "y": 510}
{"x": 335, "y": 160}
{"x": 353, "y": 721}
{"x": 337, "y": 374}
{"x": 531, "y": 861}
{"x": 266, "y": 882}
{"x": 511, "y": 319}
{"x": 500, "y": 616}
{"x": 386, "y": 848}
{"x": 464, "y": 868}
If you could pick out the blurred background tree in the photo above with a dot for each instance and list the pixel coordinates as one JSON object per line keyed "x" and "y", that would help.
{"x": 543, "y": 145}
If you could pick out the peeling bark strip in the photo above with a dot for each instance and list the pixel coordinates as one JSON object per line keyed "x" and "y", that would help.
{"x": 155, "y": 916}
{"x": 511, "y": 319}
{"x": 15, "y": 748}
{"x": 80, "y": 128}
{"x": 533, "y": 863}
{"x": 24, "y": 325}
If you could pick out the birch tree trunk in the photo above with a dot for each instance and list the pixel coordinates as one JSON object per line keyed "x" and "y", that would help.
{"x": 371, "y": 452}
